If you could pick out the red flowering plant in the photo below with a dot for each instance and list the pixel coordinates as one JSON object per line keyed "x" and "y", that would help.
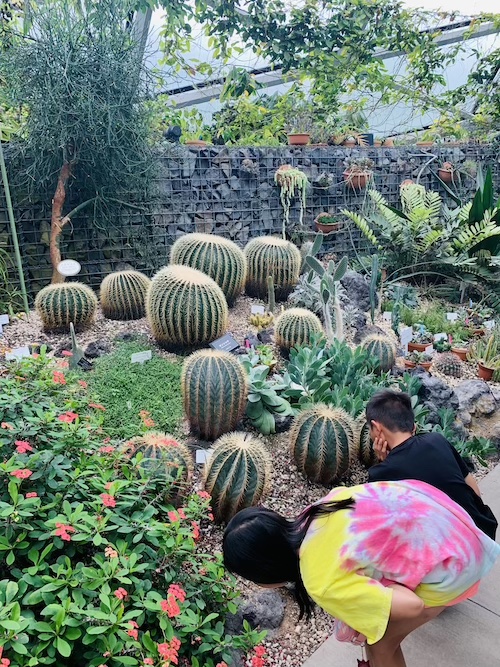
{"x": 95, "y": 567}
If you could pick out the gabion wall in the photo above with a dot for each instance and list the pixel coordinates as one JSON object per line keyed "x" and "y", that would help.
{"x": 231, "y": 192}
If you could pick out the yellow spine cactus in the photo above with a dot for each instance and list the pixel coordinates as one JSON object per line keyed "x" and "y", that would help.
{"x": 296, "y": 326}
{"x": 272, "y": 256}
{"x": 123, "y": 295}
{"x": 62, "y": 303}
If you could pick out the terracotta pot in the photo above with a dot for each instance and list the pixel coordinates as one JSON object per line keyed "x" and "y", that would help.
{"x": 425, "y": 144}
{"x": 280, "y": 173}
{"x": 326, "y": 229}
{"x": 447, "y": 175}
{"x": 196, "y": 142}
{"x": 418, "y": 347}
{"x": 409, "y": 364}
{"x": 461, "y": 352}
{"x": 425, "y": 364}
{"x": 377, "y": 143}
{"x": 349, "y": 142}
{"x": 483, "y": 372}
{"x": 298, "y": 139}
{"x": 407, "y": 181}
{"x": 478, "y": 332}
{"x": 356, "y": 180}
{"x": 389, "y": 143}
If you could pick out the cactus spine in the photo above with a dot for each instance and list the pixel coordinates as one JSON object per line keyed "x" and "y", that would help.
{"x": 216, "y": 256}
{"x": 123, "y": 295}
{"x": 382, "y": 348}
{"x": 296, "y": 326}
{"x": 449, "y": 364}
{"x": 62, "y": 303}
{"x": 271, "y": 256}
{"x": 323, "y": 443}
{"x": 164, "y": 460}
{"x": 237, "y": 474}
{"x": 366, "y": 451}
{"x": 214, "y": 389}
{"x": 185, "y": 307}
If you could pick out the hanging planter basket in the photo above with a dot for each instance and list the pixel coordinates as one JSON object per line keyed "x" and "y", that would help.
{"x": 356, "y": 180}
{"x": 447, "y": 173}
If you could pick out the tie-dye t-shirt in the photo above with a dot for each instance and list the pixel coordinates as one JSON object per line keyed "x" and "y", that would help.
{"x": 405, "y": 532}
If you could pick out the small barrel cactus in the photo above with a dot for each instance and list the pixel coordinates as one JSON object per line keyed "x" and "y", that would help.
{"x": 237, "y": 474}
{"x": 295, "y": 327}
{"x": 123, "y": 295}
{"x": 323, "y": 441}
{"x": 366, "y": 452}
{"x": 62, "y": 303}
{"x": 449, "y": 364}
{"x": 382, "y": 348}
{"x": 214, "y": 388}
{"x": 219, "y": 258}
{"x": 185, "y": 307}
{"x": 166, "y": 462}
{"x": 271, "y": 256}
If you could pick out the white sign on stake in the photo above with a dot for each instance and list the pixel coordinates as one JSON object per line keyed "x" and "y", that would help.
{"x": 17, "y": 354}
{"x": 4, "y": 319}
{"x": 140, "y": 357}
{"x": 387, "y": 315}
{"x": 429, "y": 349}
{"x": 489, "y": 324}
{"x": 405, "y": 335}
{"x": 202, "y": 455}
{"x": 441, "y": 336}
{"x": 257, "y": 310}
{"x": 452, "y": 317}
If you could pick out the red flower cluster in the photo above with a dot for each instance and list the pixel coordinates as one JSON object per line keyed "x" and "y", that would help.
{"x": 196, "y": 530}
{"x": 107, "y": 500}
{"x": 149, "y": 661}
{"x": 106, "y": 449}
{"x": 146, "y": 420}
{"x": 83, "y": 384}
{"x": 4, "y": 662}
{"x": 67, "y": 353}
{"x": 133, "y": 630}
{"x": 8, "y": 426}
{"x": 258, "y": 658}
{"x": 22, "y": 446}
{"x": 177, "y": 591}
{"x": 169, "y": 651}
{"x": 221, "y": 664}
{"x": 173, "y": 516}
{"x": 58, "y": 378}
{"x": 68, "y": 417}
{"x": 170, "y": 605}
{"x": 24, "y": 473}
{"x": 121, "y": 593}
{"x": 63, "y": 531}
{"x": 32, "y": 494}
{"x": 204, "y": 495}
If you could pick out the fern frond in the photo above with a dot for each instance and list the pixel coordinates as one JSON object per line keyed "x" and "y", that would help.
{"x": 363, "y": 225}
{"x": 429, "y": 240}
{"x": 383, "y": 206}
{"x": 475, "y": 233}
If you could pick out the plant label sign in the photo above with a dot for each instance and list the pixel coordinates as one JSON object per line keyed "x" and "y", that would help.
{"x": 429, "y": 349}
{"x": 140, "y": 357}
{"x": 202, "y": 455}
{"x": 405, "y": 336}
{"x": 440, "y": 336}
{"x": 257, "y": 310}
{"x": 17, "y": 354}
{"x": 387, "y": 315}
{"x": 452, "y": 317}
{"x": 489, "y": 324}
{"x": 226, "y": 343}
{"x": 4, "y": 319}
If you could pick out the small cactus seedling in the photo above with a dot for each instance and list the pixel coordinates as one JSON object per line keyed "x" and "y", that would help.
{"x": 237, "y": 474}
{"x": 382, "y": 348}
{"x": 296, "y": 326}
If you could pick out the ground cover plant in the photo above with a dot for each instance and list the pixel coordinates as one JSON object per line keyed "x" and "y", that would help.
{"x": 127, "y": 389}
{"x": 96, "y": 568}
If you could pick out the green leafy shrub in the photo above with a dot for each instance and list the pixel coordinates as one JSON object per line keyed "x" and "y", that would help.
{"x": 94, "y": 565}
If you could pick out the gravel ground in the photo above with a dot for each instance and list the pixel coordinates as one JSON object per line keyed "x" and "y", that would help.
{"x": 295, "y": 641}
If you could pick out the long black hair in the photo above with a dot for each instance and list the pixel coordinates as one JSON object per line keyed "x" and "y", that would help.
{"x": 263, "y": 546}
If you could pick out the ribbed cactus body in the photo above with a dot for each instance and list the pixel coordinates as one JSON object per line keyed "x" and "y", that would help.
{"x": 123, "y": 295}
{"x": 323, "y": 443}
{"x": 271, "y": 256}
{"x": 449, "y": 364}
{"x": 214, "y": 389}
{"x": 366, "y": 451}
{"x": 164, "y": 460}
{"x": 382, "y": 348}
{"x": 296, "y": 326}
{"x": 185, "y": 307}
{"x": 237, "y": 474}
{"x": 62, "y": 303}
{"x": 219, "y": 258}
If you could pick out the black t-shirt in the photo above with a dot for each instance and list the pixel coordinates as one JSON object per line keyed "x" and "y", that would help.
{"x": 431, "y": 458}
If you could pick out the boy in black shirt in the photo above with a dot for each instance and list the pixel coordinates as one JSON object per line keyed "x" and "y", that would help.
{"x": 428, "y": 457}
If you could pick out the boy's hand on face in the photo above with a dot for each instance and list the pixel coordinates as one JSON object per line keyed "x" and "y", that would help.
{"x": 380, "y": 447}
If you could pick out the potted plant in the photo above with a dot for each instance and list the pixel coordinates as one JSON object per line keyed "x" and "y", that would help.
{"x": 388, "y": 142}
{"x": 326, "y": 223}
{"x": 358, "y": 171}
{"x": 486, "y": 352}
{"x": 421, "y": 340}
{"x": 299, "y": 128}
{"x": 426, "y": 140}
{"x": 459, "y": 347}
{"x": 418, "y": 359}
{"x": 447, "y": 172}
{"x": 442, "y": 345}
{"x": 196, "y": 141}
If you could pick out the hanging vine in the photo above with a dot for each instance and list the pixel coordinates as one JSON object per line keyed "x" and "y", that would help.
{"x": 291, "y": 182}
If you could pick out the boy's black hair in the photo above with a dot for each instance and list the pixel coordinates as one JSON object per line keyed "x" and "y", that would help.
{"x": 392, "y": 409}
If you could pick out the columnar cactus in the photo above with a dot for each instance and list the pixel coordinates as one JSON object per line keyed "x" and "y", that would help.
{"x": 219, "y": 258}
{"x": 382, "y": 348}
{"x": 62, "y": 303}
{"x": 295, "y": 326}
{"x": 366, "y": 451}
{"x": 185, "y": 307}
{"x": 449, "y": 364}
{"x": 271, "y": 256}
{"x": 164, "y": 460}
{"x": 237, "y": 474}
{"x": 323, "y": 442}
{"x": 123, "y": 295}
{"x": 214, "y": 388}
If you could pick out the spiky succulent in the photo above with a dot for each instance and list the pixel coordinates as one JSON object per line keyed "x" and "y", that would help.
{"x": 271, "y": 256}
{"x": 62, "y": 303}
{"x": 123, "y": 295}
{"x": 165, "y": 461}
{"x": 237, "y": 474}
{"x": 366, "y": 451}
{"x": 296, "y": 326}
{"x": 214, "y": 388}
{"x": 218, "y": 257}
{"x": 185, "y": 307}
{"x": 449, "y": 364}
{"x": 382, "y": 348}
{"x": 323, "y": 442}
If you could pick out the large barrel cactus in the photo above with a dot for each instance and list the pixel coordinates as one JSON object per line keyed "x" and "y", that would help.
{"x": 185, "y": 307}
{"x": 237, "y": 474}
{"x": 296, "y": 326}
{"x": 214, "y": 389}
{"x": 62, "y": 303}
{"x": 323, "y": 441}
{"x": 271, "y": 256}
{"x": 123, "y": 295}
{"x": 219, "y": 258}
{"x": 382, "y": 348}
{"x": 366, "y": 452}
{"x": 167, "y": 463}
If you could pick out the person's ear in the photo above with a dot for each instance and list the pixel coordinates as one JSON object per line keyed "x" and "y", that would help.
{"x": 377, "y": 427}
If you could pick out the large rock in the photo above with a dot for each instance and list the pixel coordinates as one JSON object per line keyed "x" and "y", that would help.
{"x": 98, "y": 348}
{"x": 475, "y": 397}
{"x": 264, "y": 610}
{"x": 435, "y": 394}
{"x": 357, "y": 287}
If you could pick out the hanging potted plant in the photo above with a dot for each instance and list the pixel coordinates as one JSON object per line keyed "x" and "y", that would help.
{"x": 326, "y": 223}
{"x": 359, "y": 170}
{"x": 447, "y": 173}
{"x": 291, "y": 182}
